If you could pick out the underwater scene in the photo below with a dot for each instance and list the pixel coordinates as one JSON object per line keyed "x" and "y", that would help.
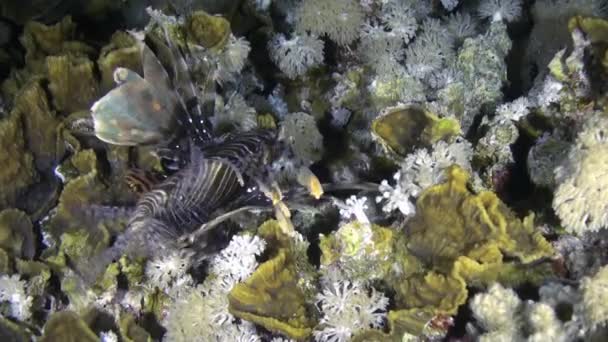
{"x": 303, "y": 170}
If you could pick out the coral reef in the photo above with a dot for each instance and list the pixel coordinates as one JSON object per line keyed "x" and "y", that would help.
{"x": 345, "y": 170}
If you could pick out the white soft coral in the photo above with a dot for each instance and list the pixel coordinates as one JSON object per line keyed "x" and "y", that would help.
{"x": 201, "y": 314}
{"x": 498, "y": 10}
{"x": 237, "y": 261}
{"x": 297, "y": 55}
{"x": 582, "y": 178}
{"x": 339, "y": 19}
{"x": 398, "y": 196}
{"x": 347, "y": 309}
{"x": 168, "y": 271}
{"x": 13, "y": 291}
{"x": 354, "y": 206}
{"x": 420, "y": 170}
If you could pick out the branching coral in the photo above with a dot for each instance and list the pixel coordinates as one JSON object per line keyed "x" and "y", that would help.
{"x": 461, "y": 26}
{"x": 514, "y": 110}
{"x": 479, "y": 68}
{"x": 382, "y": 40}
{"x": 356, "y": 207}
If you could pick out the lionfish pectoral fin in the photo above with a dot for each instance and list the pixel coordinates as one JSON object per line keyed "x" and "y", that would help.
{"x": 190, "y": 239}
{"x": 236, "y": 170}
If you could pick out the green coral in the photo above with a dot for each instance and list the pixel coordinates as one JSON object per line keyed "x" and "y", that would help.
{"x": 276, "y": 295}
{"x": 596, "y": 31}
{"x": 67, "y": 326}
{"x": 122, "y": 51}
{"x": 18, "y": 171}
{"x": 5, "y": 262}
{"x": 16, "y": 234}
{"x": 39, "y": 121}
{"x": 494, "y": 149}
{"x": 402, "y": 129}
{"x": 84, "y": 244}
{"x": 408, "y": 325}
{"x": 456, "y": 239}
{"x": 297, "y": 248}
{"x": 38, "y": 274}
{"x": 392, "y": 88}
{"x": 272, "y": 298}
{"x": 11, "y": 331}
{"x": 311, "y": 90}
{"x": 131, "y": 331}
{"x": 209, "y": 31}
{"x": 41, "y": 40}
{"x": 358, "y": 251}
{"x": 72, "y": 82}
{"x": 85, "y": 188}
{"x": 451, "y": 222}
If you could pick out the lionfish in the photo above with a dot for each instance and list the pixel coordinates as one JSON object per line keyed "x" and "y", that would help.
{"x": 219, "y": 177}
{"x": 222, "y": 173}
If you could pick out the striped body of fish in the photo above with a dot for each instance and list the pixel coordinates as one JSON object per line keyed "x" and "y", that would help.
{"x": 215, "y": 177}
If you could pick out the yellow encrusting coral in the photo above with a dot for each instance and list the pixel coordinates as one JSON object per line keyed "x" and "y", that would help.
{"x": 271, "y": 297}
{"x": 402, "y": 129}
{"x": 39, "y": 120}
{"x": 458, "y": 239}
{"x": 359, "y": 252}
{"x": 209, "y": 31}
{"x": 68, "y": 76}
{"x": 83, "y": 187}
{"x": 66, "y": 326}
{"x": 122, "y": 51}
{"x": 16, "y": 234}
{"x": 450, "y": 222}
{"x": 18, "y": 171}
